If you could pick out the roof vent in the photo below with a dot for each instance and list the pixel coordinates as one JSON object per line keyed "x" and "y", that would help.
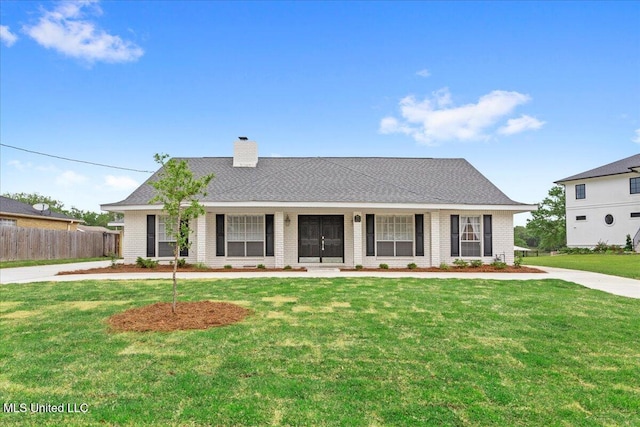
{"x": 245, "y": 153}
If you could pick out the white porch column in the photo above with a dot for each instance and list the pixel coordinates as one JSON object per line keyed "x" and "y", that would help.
{"x": 357, "y": 239}
{"x": 201, "y": 238}
{"x": 435, "y": 238}
{"x": 278, "y": 239}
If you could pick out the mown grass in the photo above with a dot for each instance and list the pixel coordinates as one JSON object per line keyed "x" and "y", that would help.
{"x": 627, "y": 265}
{"x": 344, "y": 351}
{"x": 33, "y": 263}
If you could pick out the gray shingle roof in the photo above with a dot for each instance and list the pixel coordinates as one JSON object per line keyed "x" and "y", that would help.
{"x": 340, "y": 179}
{"x": 12, "y": 206}
{"x": 615, "y": 168}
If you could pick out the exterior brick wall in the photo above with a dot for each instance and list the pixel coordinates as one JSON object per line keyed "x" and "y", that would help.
{"x": 437, "y": 247}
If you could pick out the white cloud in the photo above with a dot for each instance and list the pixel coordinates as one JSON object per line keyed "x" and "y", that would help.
{"x": 18, "y": 164}
{"x": 120, "y": 182}
{"x": 434, "y": 120}
{"x": 423, "y": 73}
{"x": 6, "y": 36}
{"x": 521, "y": 124}
{"x": 637, "y": 137}
{"x": 70, "y": 178}
{"x": 65, "y": 30}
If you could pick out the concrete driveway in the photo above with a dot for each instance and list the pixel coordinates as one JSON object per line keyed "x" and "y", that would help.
{"x": 612, "y": 284}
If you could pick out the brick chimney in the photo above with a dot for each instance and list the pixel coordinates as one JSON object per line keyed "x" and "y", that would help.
{"x": 245, "y": 153}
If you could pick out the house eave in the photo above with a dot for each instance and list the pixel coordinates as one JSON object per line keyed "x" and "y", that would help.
{"x": 42, "y": 217}
{"x": 515, "y": 208}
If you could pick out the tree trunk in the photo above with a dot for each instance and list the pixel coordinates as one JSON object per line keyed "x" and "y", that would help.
{"x": 176, "y": 254}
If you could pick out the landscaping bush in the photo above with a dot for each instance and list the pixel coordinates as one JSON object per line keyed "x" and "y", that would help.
{"x": 628, "y": 247}
{"x": 359, "y": 267}
{"x": 261, "y": 266}
{"x": 412, "y": 266}
{"x": 228, "y": 267}
{"x": 384, "y": 266}
{"x": 499, "y": 265}
{"x": 287, "y": 267}
{"x": 476, "y": 263}
{"x": 444, "y": 266}
{"x": 460, "y": 263}
{"x": 146, "y": 263}
{"x": 517, "y": 262}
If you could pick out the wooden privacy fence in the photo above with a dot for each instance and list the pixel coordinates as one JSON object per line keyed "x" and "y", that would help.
{"x": 19, "y": 244}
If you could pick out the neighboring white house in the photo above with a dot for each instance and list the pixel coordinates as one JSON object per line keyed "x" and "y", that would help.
{"x": 340, "y": 211}
{"x": 603, "y": 204}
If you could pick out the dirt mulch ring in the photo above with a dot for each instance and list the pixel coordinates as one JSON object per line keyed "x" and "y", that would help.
{"x": 190, "y": 315}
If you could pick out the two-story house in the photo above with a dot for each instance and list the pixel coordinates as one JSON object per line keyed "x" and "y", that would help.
{"x": 603, "y": 204}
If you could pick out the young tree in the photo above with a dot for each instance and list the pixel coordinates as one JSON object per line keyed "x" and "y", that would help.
{"x": 549, "y": 221}
{"x": 178, "y": 190}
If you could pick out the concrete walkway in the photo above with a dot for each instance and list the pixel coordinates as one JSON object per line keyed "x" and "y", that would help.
{"x": 46, "y": 273}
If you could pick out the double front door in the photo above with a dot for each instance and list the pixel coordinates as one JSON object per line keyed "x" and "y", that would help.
{"x": 321, "y": 238}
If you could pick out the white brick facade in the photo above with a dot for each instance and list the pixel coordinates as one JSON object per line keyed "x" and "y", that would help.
{"x": 437, "y": 240}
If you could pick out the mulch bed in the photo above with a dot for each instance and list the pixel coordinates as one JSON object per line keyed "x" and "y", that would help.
{"x": 481, "y": 269}
{"x": 164, "y": 268}
{"x": 190, "y": 315}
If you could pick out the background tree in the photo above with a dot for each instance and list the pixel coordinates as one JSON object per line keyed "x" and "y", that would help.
{"x": 33, "y": 198}
{"x": 522, "y": 237}
{"x": 179, "y": 191}
{"x": 549, "y": 221}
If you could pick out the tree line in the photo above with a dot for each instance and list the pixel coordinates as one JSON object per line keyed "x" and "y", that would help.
{"x": 547, "y": 229}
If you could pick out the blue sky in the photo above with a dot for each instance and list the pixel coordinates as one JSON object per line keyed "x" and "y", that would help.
{"x": 528, "y": 92}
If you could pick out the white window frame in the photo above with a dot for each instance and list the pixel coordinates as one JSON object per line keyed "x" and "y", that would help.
{"x": 471, "y": 236}
{"x": 246, "y": 229}
{"x": 395, "y": 229}
{"x": 163, "y": 240}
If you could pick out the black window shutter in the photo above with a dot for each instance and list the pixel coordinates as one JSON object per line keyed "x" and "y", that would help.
{"x": 419, "y": 235}
{"x": 151, "y": 235}
{"x": 371, "y": 234}
{"x": 184, "y": 251}
{"x": 488, "y": 237}
{"x": 219, "y": 235}
{"x": 269, "y": 235}
{"x": 455, "y": 235}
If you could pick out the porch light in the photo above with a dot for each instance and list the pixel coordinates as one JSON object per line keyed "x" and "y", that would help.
{"x": 287, "y": 221}
{"x": 357, "y": 218}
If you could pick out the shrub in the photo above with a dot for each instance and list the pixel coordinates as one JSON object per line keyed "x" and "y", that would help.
{"x": 146, "y": 263}
{"x": 601, "y": 247}
{"x": 412, "y": 266}
{"x": 384, "y": 266}
{"x": 261, "y": 266}
{"x": 460, "y": 263}
{"x": 359, "y": 267}
{"x": 201, "y": 266}
{"x": 444, "y": 266}
{"x": 182, "y": 262}
{"x": 499, "y": 265}
{"x": 228, "y": 267}
{"x": 517, "y": 262}
{"x": 475, "y": 263}
{"x": 628, "y": 246}
{"x": 287, "y": 267}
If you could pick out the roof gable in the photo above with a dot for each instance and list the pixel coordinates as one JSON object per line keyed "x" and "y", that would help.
{"x": 615, "y": 168}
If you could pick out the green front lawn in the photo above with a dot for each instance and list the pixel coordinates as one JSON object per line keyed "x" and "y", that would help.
{"x": 618, "y": 265}
{"x": 345, "y": 351}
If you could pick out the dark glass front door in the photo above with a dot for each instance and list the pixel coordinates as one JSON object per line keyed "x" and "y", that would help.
{"x": 321, "y": 238}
